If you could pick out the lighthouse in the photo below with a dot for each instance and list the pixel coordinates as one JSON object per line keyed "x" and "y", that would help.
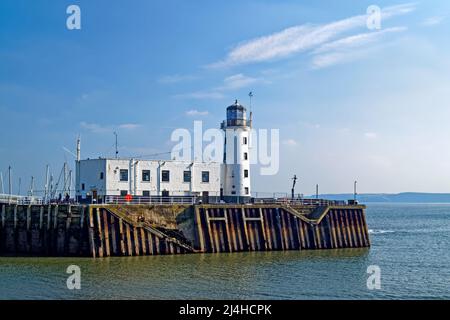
{"x": 235, "y": 182}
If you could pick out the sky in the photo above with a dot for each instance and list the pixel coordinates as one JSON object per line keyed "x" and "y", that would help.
{"x": 351, "y": 103}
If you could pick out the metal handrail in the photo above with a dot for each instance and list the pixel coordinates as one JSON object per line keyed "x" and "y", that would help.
{"x": 20, "y": 200}
{"x": 150, "y": 200}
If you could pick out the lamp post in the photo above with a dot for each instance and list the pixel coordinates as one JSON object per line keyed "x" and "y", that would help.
{"x": 294, "y": 180}
{"x": 354, "y": 190}
{"x": 117, "y": 150}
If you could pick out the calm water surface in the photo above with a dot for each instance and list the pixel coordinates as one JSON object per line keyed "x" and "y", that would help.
{"x": 410, "y": 243}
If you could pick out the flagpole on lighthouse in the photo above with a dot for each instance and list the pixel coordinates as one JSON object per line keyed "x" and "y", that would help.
{"x": 250, "y": 95}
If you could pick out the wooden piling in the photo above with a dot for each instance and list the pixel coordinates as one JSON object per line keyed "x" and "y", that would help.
{"x": 333, "y": 229}
{"x": 271, "y": 223}
{"x": 15, "y": 217}
{"x": 250, "y": 228}
{"x": 128, "y": 239}
{"x": 3, "y": 215}
{"x": 237, "y": 218}
{"x": 348, "y": 228}
{"x": 55, "y": 217}
{"x": 49, "y": 216}
{"x": 143, "y": 241}
{"x": 28, "y": 217}
{"x": 99, "y": 233}
{"x": 91, "y": 233}
{"x": 106, "y": 232}
{"x": 232, "y": 230}
{"x": 41, "y": 217}
{"x": 229, "y": 241}
{"x": 289, "y": 231}
{"x": 210, "y": 233}
{"x": 263, "y": 229}
{"x": 323, "y": 235}
{"x": 114, "y": 235}
{"x": 200, "y": 233}
{"x": 150, "y": 243}
{"x": 246, "y": 233}
{"x": 157, "y": 247}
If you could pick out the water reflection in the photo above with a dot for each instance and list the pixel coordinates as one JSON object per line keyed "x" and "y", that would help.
{"x": 196, "y": 276}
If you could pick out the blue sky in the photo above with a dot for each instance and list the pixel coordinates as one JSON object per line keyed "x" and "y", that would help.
{"x": 350, "y": 103}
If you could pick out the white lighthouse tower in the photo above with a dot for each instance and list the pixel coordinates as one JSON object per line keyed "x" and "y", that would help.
{"x": 236, "y": 161}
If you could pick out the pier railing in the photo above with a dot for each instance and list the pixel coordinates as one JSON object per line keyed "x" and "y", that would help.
{"x": 163, "y": 200}
{"x": 20, "y": 200}
{"x": 302, "y": 202}
{"x": 150, "y": 200}
{"x": 190, "y": 200}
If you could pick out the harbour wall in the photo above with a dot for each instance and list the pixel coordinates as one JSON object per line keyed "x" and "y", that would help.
{"x": 130, "y": 230}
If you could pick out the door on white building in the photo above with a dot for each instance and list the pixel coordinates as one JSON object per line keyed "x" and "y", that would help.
{"x": 205, "y": 197}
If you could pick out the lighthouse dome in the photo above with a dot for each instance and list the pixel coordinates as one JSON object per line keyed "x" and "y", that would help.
{"x": 236, "y": 106}
{"x": 236, "y": 115}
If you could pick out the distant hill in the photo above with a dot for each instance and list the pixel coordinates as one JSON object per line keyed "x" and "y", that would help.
{"x": 411, "y": 197}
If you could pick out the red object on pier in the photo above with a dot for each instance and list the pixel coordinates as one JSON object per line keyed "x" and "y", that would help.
{"x": 128, "y": 198}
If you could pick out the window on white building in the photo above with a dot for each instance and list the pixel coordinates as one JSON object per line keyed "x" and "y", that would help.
{"x": 123, "y": 174}
{"x": 146, "y": 193}
{"x": 123, "y": 193}
{"x": 205, "y": 176}
{"x": 245, "y": 140}
{"x": 187, "y": 176}
{"x": 82, "y": 186}
{"x": 165, "y": 176}
{"x": 246, "y": 190}
{"x": 102, "y": 175}
{"x": 246, "y": 173}
{"x": 145, "y": 175}
{"x": 245, "y": 156}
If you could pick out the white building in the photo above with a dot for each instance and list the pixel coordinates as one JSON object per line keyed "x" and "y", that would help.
{"x": 97, "y": 178}
{"x": 230, "y": 180}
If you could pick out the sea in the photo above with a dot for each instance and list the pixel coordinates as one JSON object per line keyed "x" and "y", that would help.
{"x": 409, "y": 259}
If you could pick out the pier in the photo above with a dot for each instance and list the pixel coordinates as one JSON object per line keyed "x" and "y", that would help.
{"x": 104, "y": 230}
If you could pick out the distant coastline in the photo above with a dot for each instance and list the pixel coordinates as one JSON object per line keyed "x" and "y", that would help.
{"x": 404, "y": 197}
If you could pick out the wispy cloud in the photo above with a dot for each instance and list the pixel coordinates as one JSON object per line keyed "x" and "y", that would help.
{"x": 371, "y": 135}
{"x": 98, "y": 128}
{"x": 200, "y": 95}
{"x": 309, "y": 125}
{"x": 94, "y": 127}
{"x": 129, "y": 126}
{"x": 237, "y": 81}
{"x": 170, "y": 79}
{"x": 290, "y": 142}
{"x": 357, "y": 40}
{"x": 432, "y": 21}
{"x": 233, "y": 82}
{"x": 334, "y": 58}
{"x": 300, "y": 38}
{"x": 349, "y": 48}
{"x": 195, "y": 112}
